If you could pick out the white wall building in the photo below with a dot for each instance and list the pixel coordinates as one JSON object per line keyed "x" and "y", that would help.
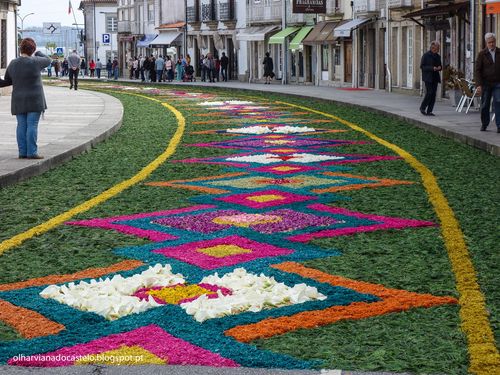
{"x": 8, "y": 32}
{"x": 101, "y": 27}
{"x": 8, "y": 35}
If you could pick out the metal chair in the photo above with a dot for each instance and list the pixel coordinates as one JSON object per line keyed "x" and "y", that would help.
{"x": 456, "y": 83}
{"x": 469, "y": 92}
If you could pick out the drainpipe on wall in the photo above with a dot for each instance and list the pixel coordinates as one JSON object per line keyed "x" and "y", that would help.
{"x": 249, "y": 64}
{"x": 389, "y": 76}
{"x": 16, "y": 36}
{"x": 422, "y": 50}
{"x": 473, "y": 34}
{"x": 285, "y": 55}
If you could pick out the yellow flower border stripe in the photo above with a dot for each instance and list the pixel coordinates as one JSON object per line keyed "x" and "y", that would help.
{"x": 484, "y": 356}
{"x": 104, "y": 196}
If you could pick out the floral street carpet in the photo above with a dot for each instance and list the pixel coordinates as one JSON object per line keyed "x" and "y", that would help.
{"x": 235, "y": 265}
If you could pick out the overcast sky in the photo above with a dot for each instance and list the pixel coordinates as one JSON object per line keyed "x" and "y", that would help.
{"x": 49, "y": 11}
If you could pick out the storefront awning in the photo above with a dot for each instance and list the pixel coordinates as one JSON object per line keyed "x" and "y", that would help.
{"x": 296, "y": 43}
{"x": 449, "y": 10}
{"x": 146, "y": 40}
{"x": 279, "y": 37}
{"x": 311, "y": 38}
{"x": 255, "y": 33}
{"x": 345, "y": 29}
{"x": 166, "y": 38}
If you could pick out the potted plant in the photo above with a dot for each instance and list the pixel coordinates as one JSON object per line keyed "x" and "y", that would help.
{"x": 450, "y": 82}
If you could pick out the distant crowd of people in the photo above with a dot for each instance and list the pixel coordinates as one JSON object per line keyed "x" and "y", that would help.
{"x": 93, "y": 69}
{"x": 146, "y": 68}
{"x": 166, "y": 69}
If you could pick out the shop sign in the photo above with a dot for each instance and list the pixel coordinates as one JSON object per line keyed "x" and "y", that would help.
{"x": 309, "y": 6}
{"x": 434, "y": 24}
{"x": 492, "y": 7}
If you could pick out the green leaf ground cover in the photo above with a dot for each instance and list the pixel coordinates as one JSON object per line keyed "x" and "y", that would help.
{"x": 413, "y": 259}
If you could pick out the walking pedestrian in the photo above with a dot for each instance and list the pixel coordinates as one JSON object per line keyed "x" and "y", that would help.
{"x": 430, "y": 66}
{"x": 178, "y": 69}
{"x": 109, "y": 68}
{"x": 28, "y": 99}
{"x": 83, "y": 67}
{"x": 57, "y": 67}
{"x": 92, "y": 68}
{"x": 160, "y": 67}
{"x": 146, "y": 66}
{"x": 224, "y": 62}
{"x": 115, "y": 68}
{"x": 268, "y": 68}
{"x": 136, "y": 68}
{"x": 141, "y": 67}
{"x": 65, "y": 68}
{"x": 203, "y": 70}
{"x": 169, "y": 67}
{"x": 209, "y": 67}
{"x": 49, "y": 69}
{"x": 98, "y": 68}
{"x": 487, "y": 78}
{"x": 216, "y": 68}
{"x": 74, "y": 67}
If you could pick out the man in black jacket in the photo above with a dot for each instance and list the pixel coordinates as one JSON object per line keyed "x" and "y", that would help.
{"x": 487, "y": 77}
{"x": 431, "y": 66}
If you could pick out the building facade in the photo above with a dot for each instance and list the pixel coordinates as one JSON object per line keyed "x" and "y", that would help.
{"x": 100, "y": 29}
{"x": 8, "y": 31}
{"x": 361, "y": 43}
{"x": 150, "y": 27}
{"x": 8, "y": 35}
{"x": 213, "y": 27}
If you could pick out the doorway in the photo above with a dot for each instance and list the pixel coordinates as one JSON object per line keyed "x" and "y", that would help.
{"x": 348, "y": 61}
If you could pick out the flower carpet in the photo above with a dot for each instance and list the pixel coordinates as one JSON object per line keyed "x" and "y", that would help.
{"x": 236, "y": 263}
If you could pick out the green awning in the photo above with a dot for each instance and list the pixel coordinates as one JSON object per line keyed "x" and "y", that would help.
{"x": 296, "y": 42}
{"x": 279, "y": 38}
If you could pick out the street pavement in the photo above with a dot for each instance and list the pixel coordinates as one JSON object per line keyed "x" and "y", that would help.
{"x": 77, "y": 120}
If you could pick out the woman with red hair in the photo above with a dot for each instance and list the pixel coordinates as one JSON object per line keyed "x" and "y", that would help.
{"x": 28, "y": 99}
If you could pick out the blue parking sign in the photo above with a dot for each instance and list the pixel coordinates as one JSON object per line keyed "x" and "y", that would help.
{"x": 106, "y": 38}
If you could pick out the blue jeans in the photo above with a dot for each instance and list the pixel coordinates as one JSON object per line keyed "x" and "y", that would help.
{"x": 115, "y": 73}
{"x": 488, "y": 93}
{"x": 27, "y": 133}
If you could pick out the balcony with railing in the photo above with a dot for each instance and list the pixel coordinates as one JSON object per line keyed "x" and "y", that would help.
{"x": 128, "y": 27}
{"x": 209, "y": 12}
{"x": 227, "y": 11}
{"x": 264, "y": 13}
{"x": 398, "y": 4}
{"x": 333, "y": 8}
{"x": 365, "y": 6}
{"x": 193, "y": 12}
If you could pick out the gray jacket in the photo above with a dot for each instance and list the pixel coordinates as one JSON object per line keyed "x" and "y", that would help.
{"x": 74, "y": 61}
{"x": 24, "y": 75}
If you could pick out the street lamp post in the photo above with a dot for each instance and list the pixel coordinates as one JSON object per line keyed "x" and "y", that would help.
{"x": 22, "y": 22}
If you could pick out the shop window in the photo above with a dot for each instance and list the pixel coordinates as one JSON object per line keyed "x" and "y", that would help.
{"x": 324, "y": 57}
{"x": 337, "y": 55}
